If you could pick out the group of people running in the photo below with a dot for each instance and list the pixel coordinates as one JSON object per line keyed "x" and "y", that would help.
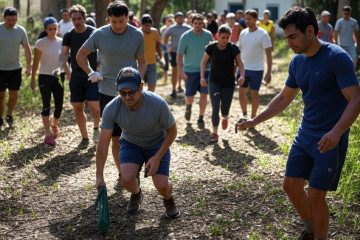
{"x": 140, "y": 123}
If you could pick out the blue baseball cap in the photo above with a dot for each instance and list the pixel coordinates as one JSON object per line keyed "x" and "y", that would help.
{"x": 128, "y": 77}
{"x": 49, "y": 20}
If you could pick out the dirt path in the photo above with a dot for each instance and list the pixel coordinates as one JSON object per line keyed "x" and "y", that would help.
{"x": 229, "y": 190}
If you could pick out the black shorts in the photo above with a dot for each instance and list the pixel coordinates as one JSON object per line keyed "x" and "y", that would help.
{"x": 10, "y": 80}
{"x": 82, "y": 89}
{"x": 173, "y": 59}
{"x": 104, "y": 100}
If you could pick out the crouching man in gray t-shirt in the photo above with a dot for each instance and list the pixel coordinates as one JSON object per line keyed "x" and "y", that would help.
{"x": 148, "y": 130}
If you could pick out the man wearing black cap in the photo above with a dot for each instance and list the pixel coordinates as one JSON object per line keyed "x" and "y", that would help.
{"x": 149, "y": 129}
{"x": 175, "y": 31}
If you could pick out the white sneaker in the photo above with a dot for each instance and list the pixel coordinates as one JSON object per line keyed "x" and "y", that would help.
{"x": 96, "y": 135}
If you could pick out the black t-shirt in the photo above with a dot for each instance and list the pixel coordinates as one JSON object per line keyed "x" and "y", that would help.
{"x": 213, "y": 27}
{"x": 74, "y": 41}
{"x": 222, "y": 63}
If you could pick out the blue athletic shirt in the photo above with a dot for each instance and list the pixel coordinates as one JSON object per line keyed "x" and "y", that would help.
{"x": 321, "y": 78}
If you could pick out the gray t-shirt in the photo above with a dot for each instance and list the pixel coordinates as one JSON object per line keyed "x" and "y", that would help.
{"x": 346, "y": 29}
{"x": 175, "y": 31}
{"x": 324, "y": 30}
{"x": 146, "y": 125}
{"x": 10, "y": 41}
{"x": 116, "y": 52}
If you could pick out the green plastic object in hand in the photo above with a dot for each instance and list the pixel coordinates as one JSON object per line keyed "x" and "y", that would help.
{"x": 101, "y": 204}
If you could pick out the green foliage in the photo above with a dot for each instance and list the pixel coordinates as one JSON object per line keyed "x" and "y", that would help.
{"x": 3, "y": 4}
{"x": 87, "y": 4}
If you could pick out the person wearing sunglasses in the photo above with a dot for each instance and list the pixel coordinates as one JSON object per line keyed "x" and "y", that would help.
{"x": 148, "y": 130}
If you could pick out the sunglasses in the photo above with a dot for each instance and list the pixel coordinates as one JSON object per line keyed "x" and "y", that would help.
{"x": 127, "y": 93}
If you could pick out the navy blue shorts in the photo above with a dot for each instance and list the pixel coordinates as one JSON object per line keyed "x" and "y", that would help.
{"x": 322, "y": 170}
{"x": 132, "y": 153}
{"x": 253, "y": 78}
{"x": 82, "y": 89}
{"x": 173, "y": 59}
{"x": 192, "y": 84}
{"x": 10, "y": 80}
{"x": 104, "y": 100}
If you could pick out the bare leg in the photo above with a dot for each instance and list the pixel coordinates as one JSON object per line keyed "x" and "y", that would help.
{"x": 255, "y": 102}
{"x": 243, "y": 99}
{"x": 2, "y": 103}
{"x": 115, "y": 151}
{"x": 203, "y": 103}
{"x": 174, "y": 77}
{"x": 13, "y": 98}
{"x": 80, "y": 117}
{"x": 163, "y": 185}
{"x": 128, "y": 177}
{"x": 320, "y": 212}
{"x": 46, "y": 123}
{"x": 94, "y": 108}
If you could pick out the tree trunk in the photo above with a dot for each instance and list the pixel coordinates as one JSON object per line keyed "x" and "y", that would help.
{"x": 341, "y": 4}
{"x": 68, "y": 4}
{"x": 28, "y": 8}
{"x": 17, "y": 4}
{"x": 157, "y": 10}
{"x": 101, "y": 12}
{"x": 143, "y": 7}
{"x": 52, "y": 7}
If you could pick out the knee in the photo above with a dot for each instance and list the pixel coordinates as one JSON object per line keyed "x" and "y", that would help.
{"x": 126, "y": 178}
{"x": 289, "y": 187}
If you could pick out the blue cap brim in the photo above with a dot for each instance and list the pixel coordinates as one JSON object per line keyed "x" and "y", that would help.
{"x": 131, "y": 86}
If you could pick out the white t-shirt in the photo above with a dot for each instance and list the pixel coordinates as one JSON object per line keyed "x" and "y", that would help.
{"x": 50, "y": 54}
{"x": 65, "y": 27}
{"x": 252, "y": 46}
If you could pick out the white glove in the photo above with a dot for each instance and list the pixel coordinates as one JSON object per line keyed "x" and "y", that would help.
{"x": 95, "y": 77}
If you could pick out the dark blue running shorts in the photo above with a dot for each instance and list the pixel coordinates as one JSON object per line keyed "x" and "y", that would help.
{"x": 322, "y": 170}
{"x": 82, "y": 89}
{"x": 254, "y": 78}
{"x": 132, "y": 153}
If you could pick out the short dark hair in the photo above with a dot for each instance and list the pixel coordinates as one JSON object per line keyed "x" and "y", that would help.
{"x": 346, "y": 9}
{"x": 252, "y": 12}
{"x": 224, "y": 28}
{"x": 197, "y": 16}
{"x": 63, "y": 10}
{"x": 146, "y": 18}
{"x": 10, "y": 11}
{"x": 78, "y": 8}
{"x": 300, "y": 17}
{"x": 117, "y": 8}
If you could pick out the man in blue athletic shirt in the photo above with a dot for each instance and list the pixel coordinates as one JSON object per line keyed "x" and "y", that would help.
{"x": 325, "y": 74}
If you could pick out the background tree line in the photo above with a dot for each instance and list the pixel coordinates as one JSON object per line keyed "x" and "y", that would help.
{"x": 160, "y": 8}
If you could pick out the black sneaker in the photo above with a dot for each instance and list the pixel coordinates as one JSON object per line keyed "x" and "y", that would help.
{"x": 171, "y": 210}
{"x": 1, "y": 122}
{"x": 133, "y": 206}
{"x": 180, "y": 90}
{"x": 306, "y": 236}
{"x": 10, "y": 120}
{"x": 83, "y": 144}
{"x": 200, "y": 123}
{"x": 173, "y": 94}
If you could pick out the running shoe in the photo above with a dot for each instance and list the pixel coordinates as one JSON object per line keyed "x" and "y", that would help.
{"x": 214, "y": 138}
{"x": 96, "y": 135}
{"x": 171, "y": 210}
{"x": 134, "y": 204}
{"x": 306, "y": 236}
{"x": 83, "y": 144}
{"x": 49, "y": 140}
{"x": 10, "y": 120}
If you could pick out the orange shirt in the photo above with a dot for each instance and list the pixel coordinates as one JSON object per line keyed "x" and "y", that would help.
{"x": 150, "y": 41}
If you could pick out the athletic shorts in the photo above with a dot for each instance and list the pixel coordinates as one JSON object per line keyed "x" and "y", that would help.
{"x": 151, "y": 74}
{"x": 322, "y": 170}
{"x": 132, "y": 153}
{"x": 173, "y": 59}
{"x": 351, "y": 50}
{"x": 192, "y": 84}
{"x": 104, "y": 100}
{"x": 82, "y": 89}
{"x": 253, "y": 78}
{"x": 10, "y": 80}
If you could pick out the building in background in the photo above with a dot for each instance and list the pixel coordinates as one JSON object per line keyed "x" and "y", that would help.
{"x": 276, "y": 7}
